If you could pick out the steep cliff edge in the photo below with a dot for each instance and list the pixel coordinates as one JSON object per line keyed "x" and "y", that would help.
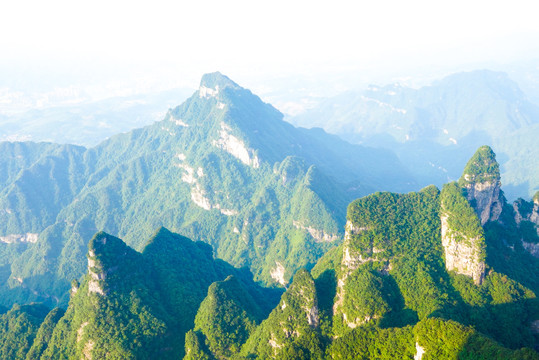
{"x": 463, "y": 238}
{"x": 526, "y": 214}
{"x": 481, "y": 180}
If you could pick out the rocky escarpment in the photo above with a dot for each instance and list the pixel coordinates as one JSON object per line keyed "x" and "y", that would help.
{"x": 462, "y": 236}
{"x": 486, "y": 200}
{"x": 527, "y": 217}
{"x": 463, "y": 254}
{"x": 352, "y": 259}
{"x": 106, "y": 255}
{"x": 481, "y": 181}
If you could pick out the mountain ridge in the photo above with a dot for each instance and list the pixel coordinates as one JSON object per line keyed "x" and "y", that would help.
{"x": 435, "y": 129}
{"x": 210, "y": 170}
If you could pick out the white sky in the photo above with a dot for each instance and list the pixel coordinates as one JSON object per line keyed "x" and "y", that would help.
{"x": 243, "y": 38}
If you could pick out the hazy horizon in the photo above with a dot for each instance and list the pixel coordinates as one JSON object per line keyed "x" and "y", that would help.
{"x": 111, "y": 49}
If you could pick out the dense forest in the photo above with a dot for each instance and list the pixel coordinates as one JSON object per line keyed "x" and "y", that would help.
{"x": 401, "y": 285}
{"x": 222, "y": 232}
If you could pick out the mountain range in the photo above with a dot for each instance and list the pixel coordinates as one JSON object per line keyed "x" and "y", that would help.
{"x": 424, "y": 275}
{"x": 224, "y": 232}
{"x": 223, "y": 168}
{"x": 435, "y": 129}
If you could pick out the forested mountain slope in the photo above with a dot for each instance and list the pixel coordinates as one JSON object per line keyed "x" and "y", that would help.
{"x": 223, "y": 168}
{"x": 448, "y": 274}
{"x": 425, "y": 275}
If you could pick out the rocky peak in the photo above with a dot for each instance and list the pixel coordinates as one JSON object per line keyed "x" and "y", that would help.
{"x": 481, "y": 180}
{"x": 216, "y": 80}
{"x": 301, "y": 297}
{"x": 106, "y": 254}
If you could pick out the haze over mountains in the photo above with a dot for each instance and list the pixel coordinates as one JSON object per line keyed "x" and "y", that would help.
{"x": 433, "y": 129}
{"x": 176, "y": 240}
{"x": 223, "y": 167}
{"x": 82, "y": 120}
{"x": 436, "y": 128}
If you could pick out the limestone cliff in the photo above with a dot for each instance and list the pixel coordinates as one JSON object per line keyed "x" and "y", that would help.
{"x": 352, "y": 259}
{"x": 527, "y": 217}
{"x": 462, "y": 254}
{"x": 486, "y": 200}
{"x": 527, "y": 211}
{"x": 106, "y": 255}
{"x": 462, "y": 236}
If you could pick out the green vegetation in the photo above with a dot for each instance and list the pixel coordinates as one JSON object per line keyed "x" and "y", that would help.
{"x": 370, "y": 342}
{"x": 292, "y": 329}
{"x": 382, "y": 293}
{"x": 365, "y": 298}
{"x": 461, "y": 219}
{"x": 450, "y": 340}
{"x": 44, "y": 334}
{"x": 227, "y": 316}
{"x": 280, "y": 196}
{"x": 18, "y": 329}
{"x": 482, "y": 167}
{"x": 141, "y": 305}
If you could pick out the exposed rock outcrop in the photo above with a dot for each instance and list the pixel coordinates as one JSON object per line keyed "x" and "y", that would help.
{"x": 481, "y": 180}
{"x": 419, "y": 352}
{"x": 278, "y": 274}
{"x": 96, "y": 273}
{"x": 525, "y": 211}
{"x": 317, "y": 234}
{"x": 352, "y": 259}
{"x": 236, "y": 147}
{"x": 14, "y": 238}
{"x": 486, "y": 199}
{"x": 107, "y": 256}
{"x": 528, "y": 212}
{"x": 462, "y": 254}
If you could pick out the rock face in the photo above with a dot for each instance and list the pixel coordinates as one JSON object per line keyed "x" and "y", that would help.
{"x": 106, "y": 257}
{"x": 317, "y": 234}
{"x": 486, "y": 200}
{"x": 14, "y": 238}
{"x": 525, "y": 211}
{"x": 352, "y": 260}
{"x": 462, "y": 235}
{"x": 481, "y": 180}
{"x": 278, "y": 273}
{"x": 528, "y": 212}
{"x": 236, "y": 147}
{"x": 94, "y": 286}
{"x": 419, "y": 352}
{"x": 462, "y": 254}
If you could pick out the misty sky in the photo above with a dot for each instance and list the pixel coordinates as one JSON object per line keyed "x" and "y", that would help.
{"x": 255, "y": 39}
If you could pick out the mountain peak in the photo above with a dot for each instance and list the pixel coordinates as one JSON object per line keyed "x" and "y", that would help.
{"x": 105, "y": 246}
{"x": 481, "y": 180}
{"x": 109, "y": 260}
{"x": 481, "y": 168}
{"x": 215, "y": 81}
